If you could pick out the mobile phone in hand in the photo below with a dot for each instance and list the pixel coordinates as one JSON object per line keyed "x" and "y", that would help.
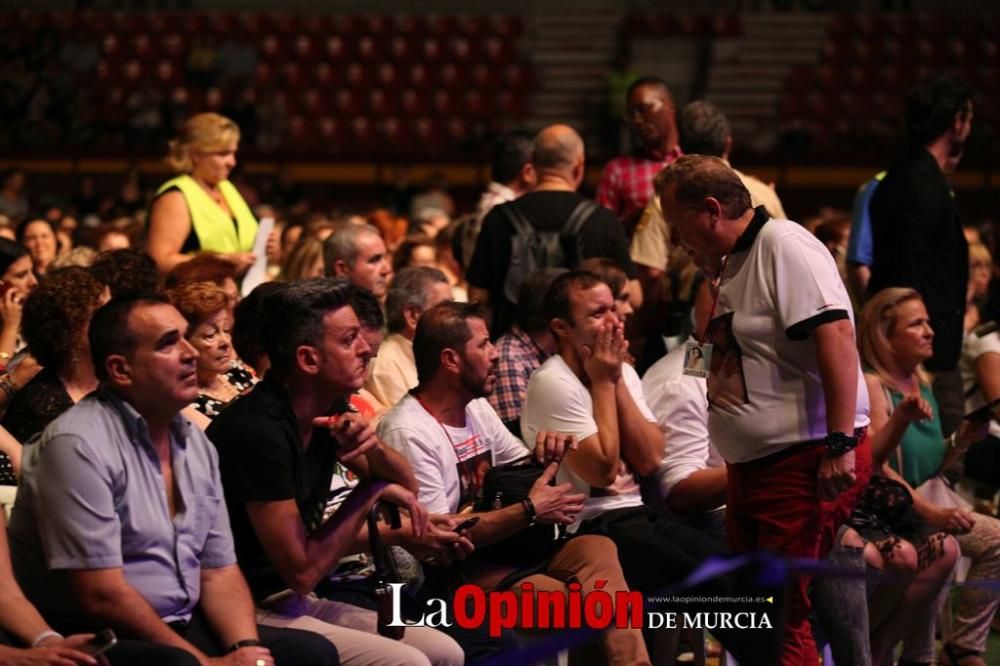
{"x": 100, "y": 643}
{"x": 984, "y": 413}
{"x": 468, "y": 524}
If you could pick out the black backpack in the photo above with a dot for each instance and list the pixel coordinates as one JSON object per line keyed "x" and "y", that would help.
{"x": 531, "y": 249}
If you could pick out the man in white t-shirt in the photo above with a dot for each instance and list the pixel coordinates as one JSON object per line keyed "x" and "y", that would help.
{"x": 691, "y": 479}
{"x": 788, "y": 408}
{"x": 452, "y": 437}
{"x": 588, "y": 391}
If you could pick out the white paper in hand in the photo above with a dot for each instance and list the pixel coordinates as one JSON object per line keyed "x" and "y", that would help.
{"x": 258, "y": 272}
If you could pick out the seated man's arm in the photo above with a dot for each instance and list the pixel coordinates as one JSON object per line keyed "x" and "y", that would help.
{"x": 641, "y": 443}
{"x": 552, "y": 403}
{"x": 440, "y": 493}
{"x": 227, "y": 604}
{"x": 379, "y": 461}
{"x": 80, "y": 533}
{"x": 302, "y": 559}
{"x": 598, "y": 457}
{"x": 703, "y": 490}
{"x": 684, "y": 479}
{"x": 108, "y": 599}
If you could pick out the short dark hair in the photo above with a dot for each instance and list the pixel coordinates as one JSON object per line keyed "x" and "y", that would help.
{"x": 702, "y": 129}
{"x": 931, "y": 107}
{"x": 409, "y": 287}
{"x": 9, "y": 253}
{"x": 126, "y": 271}
{"x": 699, "y": 176}
{"x": 292, "y": 316}
{"x": 643, "y": 81}
{"x": 510, "y": 153}
{"x": 530, "y": 315}
{"x": 444, "y": 326}
{"x": 556, "y": 301}
{"x": 610, "y": 272}
{"x": 109, "y": 333}
{"x": 367, "y": 308}
{"x": 246, "y": 324}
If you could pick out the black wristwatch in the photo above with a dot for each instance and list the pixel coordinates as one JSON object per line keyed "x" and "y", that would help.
{"x": 839, "y": 443}
{"x": 529, "y": 510}
{"x": 246, "y": 642}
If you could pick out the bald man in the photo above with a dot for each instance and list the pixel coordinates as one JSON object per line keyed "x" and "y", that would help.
{"x": 558, "y": 160}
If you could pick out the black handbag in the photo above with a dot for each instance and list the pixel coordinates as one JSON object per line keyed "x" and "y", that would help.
{"x": 508, "y": 484}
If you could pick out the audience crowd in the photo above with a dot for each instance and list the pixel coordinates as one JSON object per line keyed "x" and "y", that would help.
{"x": 226, "y": 453}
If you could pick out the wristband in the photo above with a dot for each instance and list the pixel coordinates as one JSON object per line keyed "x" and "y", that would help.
{"x": 953, "y": 443}
{"x": 246, "y": 642}
{"x": 838, "y": 443}
{"x": 44, "y": 636}
{"x": 529, "y": 510}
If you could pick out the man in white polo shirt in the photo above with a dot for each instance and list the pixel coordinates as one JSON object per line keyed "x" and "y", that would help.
{"x": 788, "y": 409}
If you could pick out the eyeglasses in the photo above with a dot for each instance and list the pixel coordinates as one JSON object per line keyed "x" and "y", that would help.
{"x": 643, "y": 109}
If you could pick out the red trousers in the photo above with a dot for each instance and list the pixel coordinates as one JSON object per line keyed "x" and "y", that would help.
{"x": 773, "y": 506}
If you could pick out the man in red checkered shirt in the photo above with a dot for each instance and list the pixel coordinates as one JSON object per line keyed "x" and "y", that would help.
{"x": 627, "y": 182}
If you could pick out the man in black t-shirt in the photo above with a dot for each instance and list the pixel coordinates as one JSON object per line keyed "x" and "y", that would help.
{"x": 558, "y": 158}
{"x": 278, "y": 446}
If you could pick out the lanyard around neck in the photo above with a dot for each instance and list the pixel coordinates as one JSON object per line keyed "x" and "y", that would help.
{"x": 717, "y": 288}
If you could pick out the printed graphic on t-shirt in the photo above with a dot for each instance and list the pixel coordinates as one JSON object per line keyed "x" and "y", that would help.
{"x": 726, "y": 384}
{"x": 474, "y": 460}
{"x": 341, "y": 485}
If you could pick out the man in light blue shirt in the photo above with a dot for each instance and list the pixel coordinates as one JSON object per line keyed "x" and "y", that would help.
{"x": 860, "y": 247}
{"x": 121, "y": 520}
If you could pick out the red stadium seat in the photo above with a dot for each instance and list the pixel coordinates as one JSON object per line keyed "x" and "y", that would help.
{"x": 369, "y": 49}
{"x": 166, "y": 75}
{"x": 335, "y": 49}
{"x": 385, "y": 75}
{"x": 315, "y": 102}
{"x": 173, "y": 46}
{"x": 412, "y": 103}
{"x": 324, "y": 76}
{"x": 399, "y": 49}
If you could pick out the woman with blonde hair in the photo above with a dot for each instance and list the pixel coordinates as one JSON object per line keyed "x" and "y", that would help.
{"x": 199, "y": 209}
{"x": 895, "y": 339}
{"x": 304, "y": 261}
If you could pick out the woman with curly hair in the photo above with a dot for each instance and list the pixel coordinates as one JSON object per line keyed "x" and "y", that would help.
{"x": 221, "y": 378}
{"x": 54, "y": 325}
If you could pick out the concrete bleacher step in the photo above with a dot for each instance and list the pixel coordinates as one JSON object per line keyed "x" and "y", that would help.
{"x": 748, "y": 74}
{"x": 573, "y": 42}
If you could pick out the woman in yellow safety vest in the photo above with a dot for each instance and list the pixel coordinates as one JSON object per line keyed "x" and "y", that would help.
{"x": 200, "y": 210}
